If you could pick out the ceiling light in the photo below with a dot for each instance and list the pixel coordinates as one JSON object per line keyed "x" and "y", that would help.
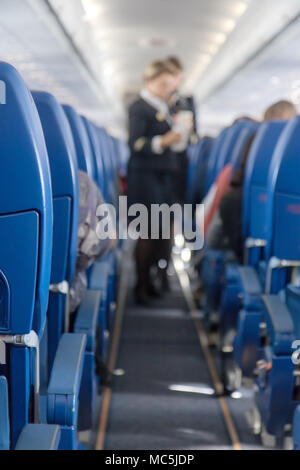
{"x": 92, "y": 9}
{"x": 213, "y": 49}
{"x": 108, "y": 69}
{"x": 154, "y": 42}
{"x": 240, "y": 8}
{"x": 220, "y": 38}
{"x": 205, "y": 58}
{"x": 229, "y": 25}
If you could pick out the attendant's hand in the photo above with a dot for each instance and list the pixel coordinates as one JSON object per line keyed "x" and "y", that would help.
{"x": 170, "y": 138}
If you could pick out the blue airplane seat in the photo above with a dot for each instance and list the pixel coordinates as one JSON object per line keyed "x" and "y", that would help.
{"x": 211, "y": 172}
{"x": 64, "y": 175}
{"x": 215, "y": 261}
{"x": 98, "y": 274}
{"x": 254, "y": 227}
{"x": 106, "y": 152}
{"x": 256, "y": 178}
{"x": 26, "y": 242}
{"x": 33, "y": 436}
{"x": 231, "y": 144}
{"x": 96, "y": 152}
{"x": 84, "y": 153}
{"x": 274, "y": 397}
{"x": 198, "y": 169}
{"x": 112, "y": 198}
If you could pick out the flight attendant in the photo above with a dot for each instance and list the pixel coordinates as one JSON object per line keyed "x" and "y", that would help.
{"x": 152, "y": 163}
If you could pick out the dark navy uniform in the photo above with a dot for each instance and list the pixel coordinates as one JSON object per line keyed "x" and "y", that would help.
{"x": 150, "y": 174}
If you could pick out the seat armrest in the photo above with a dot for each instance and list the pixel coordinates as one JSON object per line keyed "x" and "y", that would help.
{"x": 39, "y": 437}
{"x": 250, "y": 280}
{"x": 65, "y": 380}
{"x": 87, "y": 317}
{"x": 279, "y": 323}
{"x": 98, "y": 275}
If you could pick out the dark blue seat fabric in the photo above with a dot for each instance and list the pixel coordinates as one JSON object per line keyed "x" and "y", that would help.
{"x": 256, "y": 177}
{"x": 108, "y": 153}
{"x": 283, "y": 196}
{"x": 214, "y": 158}
{"x": 33, "y": 208}
{"x": 33, "y": 436}
{"x": 247, "y": 133}
{"x": 64, "y": 168}
{"x": 64, "y": 387}
{"x": 254, "y": 228}
{"x": 234, "y": 144}
{"x": 197, "y": 170}
{"x": 231, "y": 152}
{"x": 283, "y": 203}
{"x": 26, "y": 239}
{"x": 84, "y": 153}
{"x": 39, "y": 437}
{"x": 64, "y": 176}
{"x": 96, "y": 152}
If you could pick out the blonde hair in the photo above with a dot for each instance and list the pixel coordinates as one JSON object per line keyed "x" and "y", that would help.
{"x": 283, "y": 109}
{"x": 175, "y": 62}
{"x": 157, "y": 68}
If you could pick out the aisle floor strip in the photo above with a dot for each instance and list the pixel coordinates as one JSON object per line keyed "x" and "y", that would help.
{"x": 186, "y": 288}
{"x": 122, "y": 294}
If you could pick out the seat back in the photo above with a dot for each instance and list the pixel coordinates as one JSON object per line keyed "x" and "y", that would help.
{"x": 25, "y": 210}
{"x": 283, "y": 196}
{"x": 214, "y": 157}
{"x": 26, "y": 221}
{"x": 256, "y": 177}
{"x": 198, "y": 168}
{"x": 64, "y": 176}
{"x": 82, "y": 144}
{"x": 106, "y": 149}
{"x": 232, "y": 139}
{"x": 238, "y": 152}
{"x": 96, "y": 152}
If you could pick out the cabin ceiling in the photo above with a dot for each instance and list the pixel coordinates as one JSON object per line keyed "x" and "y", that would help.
{"x": 91, "y": 53}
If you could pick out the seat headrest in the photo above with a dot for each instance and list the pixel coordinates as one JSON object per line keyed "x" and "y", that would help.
{"x": 64, "y": 176}
{"x": 244, "y": 137}
{"x": 230, "y": 142}
{"x": 257, "y": 168}
{"x": 81, "y": 140}
{"x": 25, "y": 209}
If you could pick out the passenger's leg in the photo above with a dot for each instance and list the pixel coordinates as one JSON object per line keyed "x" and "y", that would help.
{"x": 143, "y": 261}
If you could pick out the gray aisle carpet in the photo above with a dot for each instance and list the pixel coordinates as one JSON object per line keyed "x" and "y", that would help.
{"x": 164, "y": 399}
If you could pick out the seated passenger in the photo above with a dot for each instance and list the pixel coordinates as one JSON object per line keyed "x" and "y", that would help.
{"x": 90, "y": 247}
{"x": 230, "y": 212}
